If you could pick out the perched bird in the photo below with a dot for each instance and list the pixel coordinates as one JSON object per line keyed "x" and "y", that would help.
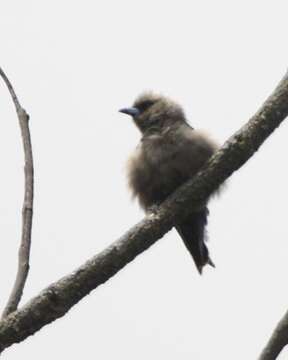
{"x": 170, "y": 152}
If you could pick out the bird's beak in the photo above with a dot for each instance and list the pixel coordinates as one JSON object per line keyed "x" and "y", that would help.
{"x": 133, "y": 111}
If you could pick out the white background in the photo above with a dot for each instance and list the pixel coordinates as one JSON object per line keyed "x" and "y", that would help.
{"x": 73, "y": 65}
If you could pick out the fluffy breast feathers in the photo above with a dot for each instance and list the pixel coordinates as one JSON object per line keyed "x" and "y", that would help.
{"x": 163, "y": 162}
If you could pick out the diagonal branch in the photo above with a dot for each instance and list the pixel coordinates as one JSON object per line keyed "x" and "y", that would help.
{"x": 277, "y": 341}
{"x": 27, "y": 210}
{"x": 58, "y": 298}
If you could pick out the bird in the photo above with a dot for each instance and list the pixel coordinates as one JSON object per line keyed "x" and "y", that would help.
{"x": 169, "y": 153}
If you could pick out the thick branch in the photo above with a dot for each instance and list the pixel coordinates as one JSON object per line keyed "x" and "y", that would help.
{"x": 54, "y": 301}
{"x": 27, "y": 211}
{"x": 277, "y": 341}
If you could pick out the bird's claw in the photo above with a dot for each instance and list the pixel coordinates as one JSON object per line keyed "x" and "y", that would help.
{"x": 152, "y": 209}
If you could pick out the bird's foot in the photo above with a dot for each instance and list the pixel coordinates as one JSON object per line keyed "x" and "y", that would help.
{"x": 152, "y": 209}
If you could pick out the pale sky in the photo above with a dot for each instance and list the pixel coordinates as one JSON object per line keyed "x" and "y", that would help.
{"x": 73, "y": 65}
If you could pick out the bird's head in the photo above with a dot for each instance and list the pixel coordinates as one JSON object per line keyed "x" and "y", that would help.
{"x": 152, "y": 111}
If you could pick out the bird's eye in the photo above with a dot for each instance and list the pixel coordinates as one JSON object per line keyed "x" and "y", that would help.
{"x": 145, "y": 105}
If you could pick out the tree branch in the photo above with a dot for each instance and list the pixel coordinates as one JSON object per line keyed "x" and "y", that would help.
{"x": 54, "y": 301}
{"x": 27, "y": 210}
{"x": 277, "y": 341}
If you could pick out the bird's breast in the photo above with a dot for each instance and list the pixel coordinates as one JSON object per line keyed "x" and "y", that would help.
{"x": 155, "y": 171}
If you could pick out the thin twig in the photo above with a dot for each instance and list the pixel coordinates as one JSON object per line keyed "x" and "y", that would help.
{"x": 27, "y": 210}
{"x": 277, "y": 341}
{"x": 58, "y": 298}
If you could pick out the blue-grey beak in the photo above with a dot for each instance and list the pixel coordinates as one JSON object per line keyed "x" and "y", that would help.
{"x": 133, "y": 111}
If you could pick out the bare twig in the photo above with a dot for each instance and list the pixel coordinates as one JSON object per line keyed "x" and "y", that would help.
{"x": 54, "y": 301}
{"x": 27, "y": 211}
{"x": 277, "y": 341}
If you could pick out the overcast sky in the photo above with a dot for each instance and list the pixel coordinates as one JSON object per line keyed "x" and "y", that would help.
{"x": 73, "y": 65}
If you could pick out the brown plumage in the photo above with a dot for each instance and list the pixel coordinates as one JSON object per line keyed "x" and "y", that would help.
{"x": 170, "y": 152}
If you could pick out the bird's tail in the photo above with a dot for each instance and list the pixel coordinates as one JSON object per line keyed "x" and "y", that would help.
{"x": 192, "y": 231}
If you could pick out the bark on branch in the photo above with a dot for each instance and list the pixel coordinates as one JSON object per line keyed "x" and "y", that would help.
{"x": 27, "y": 210}
{"x": 277, "y": 341}
{"x": 54, "y": 301}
